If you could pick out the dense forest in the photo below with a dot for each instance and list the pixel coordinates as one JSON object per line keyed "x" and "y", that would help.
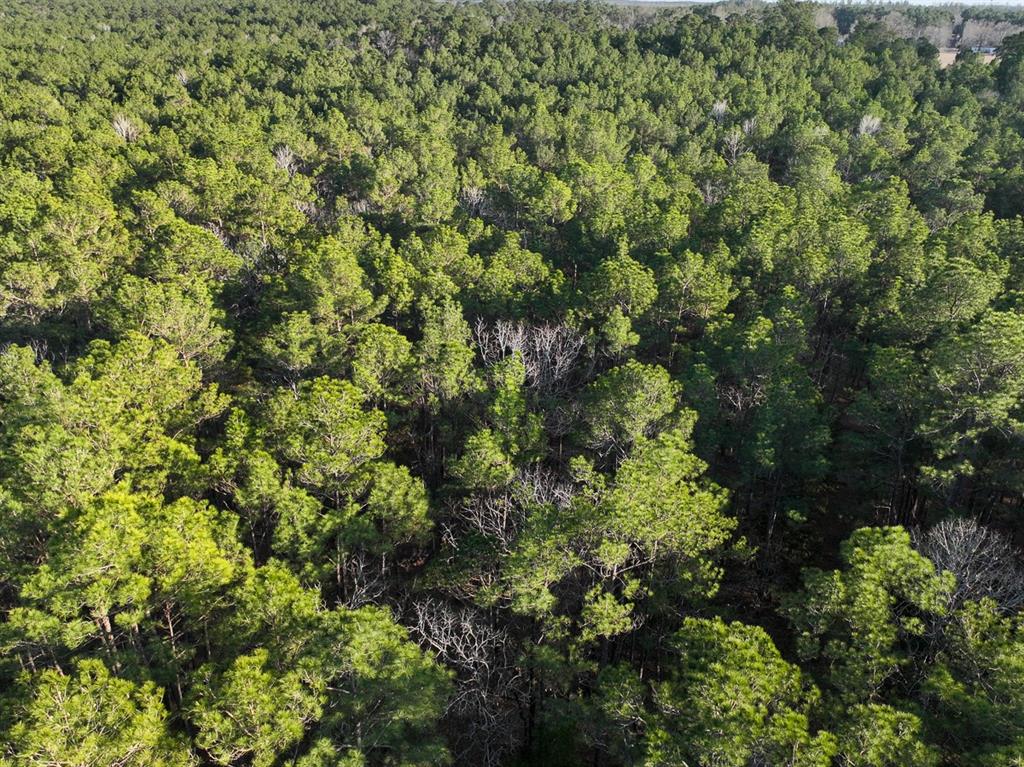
{"x": 507, "y": 383}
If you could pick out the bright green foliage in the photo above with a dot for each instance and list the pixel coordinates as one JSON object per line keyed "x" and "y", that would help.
{"x": 174, "y": 248}
{"x": 249, "y": 714}
{"x": 692, "y": 289}
{"x": 182, "y": 315}
{"x": 90, "y": 716}
{"x": 516, "y": 281}
{"x": 357, "y": 503}
{"x": 349, "y": 675}
{"x": 521, "y": 431}
{"x": 617, "y": 290}
{"x": 243, "y": 469}
{"x": 323, "y": 432}
{"x": 978, "y": 380}
{"x": 395, "y": 383}
{"x": 59, "y": 249}
{"x": 397, "y": 691}
{"x": 880, "y": 736}
{"x": 484, "y": 463}
{"x": 382, "y": 363}
{"x": 661, "y": 505}
{"x": 396, "y": 510}
{"x": 123, "y": 566}
{"x": 658, "y": 514}
{"x": 625, "y": 404}
{"x": 858, "y": 619}
{"x": 125, "y": 411}
{"x": 898, "y": 259}
{"x": 732, "y": 699}
{"x": 756, "y": 398}
{"x": 329, "y": 282}
{"x": 444, "y": 356}
{"x": 540, "y": 198}
{"x": 980, "y": 678}
{"x": 442, "y": 264}
{"x": 515, "y": 435}
{"x": 294, "y": 345}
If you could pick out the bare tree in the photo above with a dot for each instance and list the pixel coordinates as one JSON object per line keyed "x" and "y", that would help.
{"x": 712, "y": 191}
{"x": 983, "y": 561}
{"x": 733, "y": 145}
{"x": 869, "y": 125}
{"x": 538, "y": 485}
{"x": 365, "y": 579}
{"x": 499, "y": 516}
{"x": 285, "y": 159}
{"x": 549, "y": 352}
{"x": 360, "y": 206}
{"x": 474, "y": 199}
{"x": 386, "y": 41}
{"x": 984, "y": 33}
{"x": 125, "y": 128}
{"x": 719, "y": 110}
{"x": 483, "y": 712}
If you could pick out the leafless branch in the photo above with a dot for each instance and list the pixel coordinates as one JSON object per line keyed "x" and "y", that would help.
{"x": 548, "y": 351}
{"x": 983, "y": 561}
{"x": 125, "y": 128}
{"x": 489, "y": 685}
